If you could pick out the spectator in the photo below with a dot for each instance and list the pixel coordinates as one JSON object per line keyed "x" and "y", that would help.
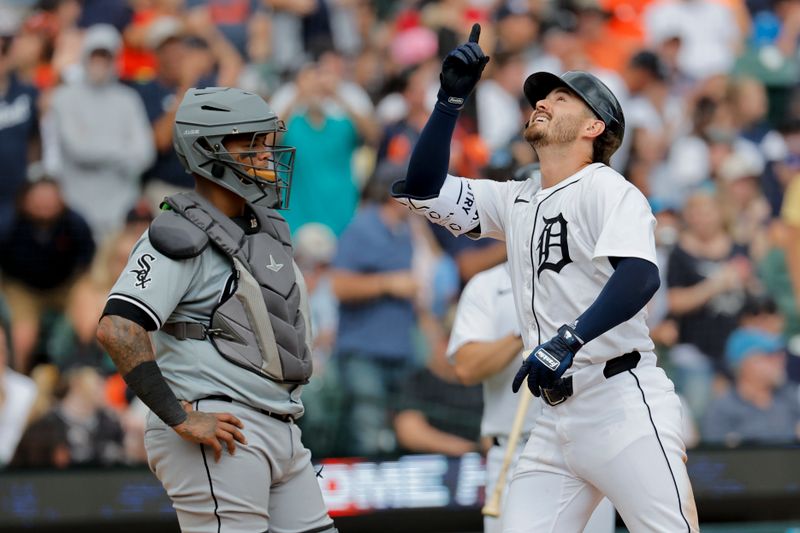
{"x": 324, "y": 126}
{"x": 787, "y": 168}
{"x": 748, "y": 97}
{"x": 603, "y": 50}
{"x": 72, "y": 342}
{"x": 17, "y": 393}
{"x": 773, "y": 271}
{"x": 770, "y": 55}
{"x": 435, "y": 412}
{"x": 747, "y": 212}
{"x": 233, "y": 19}
{"x": 176, "y": 73}
{"x": 760, "y": 406}
{"x": 709, "y": 35}
{"x": 498, "y": 101}
{"x": 406, "y": 111}
{"x": 339, "y": 95}
{"x": 299, "y": 28}
{"x": 706, "y": 276}
{"x": 49, "y": 246}
{"x": 43, "y": 445}
{"x": 19, "y": 133}
{"x": 760, "y": 312}
{"x": 138, "y": 61}
{"x": 47, "y": 379}
{"x": 653, "y": 119}
{"x": 315, "y": 246}
{"x": 103, "y": 141}
{"x": 133, "y": 420}
{"x": 93, "y": 434}
{"x": 435, "y": 271}
{"x": 790, "y": 214}
{"x": 663, "y": 328}
{"x": 517, "y": 29}
{"x": 36, "y": 54}
{"x": 209, "y": 51}
{"x": 373, "y": 281}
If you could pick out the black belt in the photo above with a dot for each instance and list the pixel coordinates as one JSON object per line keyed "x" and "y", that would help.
{"x": 276, "y": 416}
{"x": 563, "y": 388}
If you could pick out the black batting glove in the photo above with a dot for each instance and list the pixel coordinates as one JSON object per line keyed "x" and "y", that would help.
{"x": 548, "y": 361}
{"x": 461, "y": 71}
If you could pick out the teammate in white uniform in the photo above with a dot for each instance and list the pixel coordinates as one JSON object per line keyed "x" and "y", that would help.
{"x": 582, "y": 262}
{"x": 484, "y": 347}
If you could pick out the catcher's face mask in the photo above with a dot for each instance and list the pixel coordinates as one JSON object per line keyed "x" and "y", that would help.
{"x": 258, "y": 159}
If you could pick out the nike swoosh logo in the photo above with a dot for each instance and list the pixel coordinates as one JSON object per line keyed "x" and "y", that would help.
{"x": 519, "y": 200}
{"x": 503, "y": 291}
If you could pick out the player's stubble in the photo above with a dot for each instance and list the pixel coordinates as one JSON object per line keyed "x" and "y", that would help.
{"x": 558, "y": 130}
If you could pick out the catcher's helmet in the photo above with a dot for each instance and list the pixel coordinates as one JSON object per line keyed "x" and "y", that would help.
{"x": 591, "y": 90}
{"x": 206, "y": 116}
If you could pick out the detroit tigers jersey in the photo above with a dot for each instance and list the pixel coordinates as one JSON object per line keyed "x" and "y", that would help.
{"x": 187, "y": 290}
{"x": 558, "y": 240}
{"x": 486, "y": 313}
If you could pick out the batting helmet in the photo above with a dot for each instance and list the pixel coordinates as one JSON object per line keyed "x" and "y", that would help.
{"x": 206, "y": 116}
{"x": 591, "y": 90}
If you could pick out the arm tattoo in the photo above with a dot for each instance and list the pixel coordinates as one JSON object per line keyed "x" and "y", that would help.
{"x": 126, "y": 342}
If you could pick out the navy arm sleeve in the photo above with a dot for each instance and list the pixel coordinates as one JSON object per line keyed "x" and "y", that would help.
{"x": 628, "y": 290}
{"x": 430, "y": 158}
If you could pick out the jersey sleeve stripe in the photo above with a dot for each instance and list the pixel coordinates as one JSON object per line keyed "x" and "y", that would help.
{"x": 138, "y": 303}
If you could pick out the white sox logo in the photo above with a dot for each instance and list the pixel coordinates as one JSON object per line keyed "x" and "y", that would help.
{"x": 143, "y": 272}
{"x": 554, "y": 235}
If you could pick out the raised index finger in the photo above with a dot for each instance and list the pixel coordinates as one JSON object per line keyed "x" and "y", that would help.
{"x": 475, "y": 34}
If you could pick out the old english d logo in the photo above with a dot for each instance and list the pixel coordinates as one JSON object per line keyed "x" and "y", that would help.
{"x": 552, "y": 243}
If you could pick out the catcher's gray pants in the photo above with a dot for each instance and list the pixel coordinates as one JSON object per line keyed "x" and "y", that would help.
{"x": 267, "y": 485}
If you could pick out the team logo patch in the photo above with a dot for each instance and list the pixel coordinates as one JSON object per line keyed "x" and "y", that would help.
{"x": 553, "y": 243}
{"x": 143, "y": 272}
{"x": 273, "y": 265}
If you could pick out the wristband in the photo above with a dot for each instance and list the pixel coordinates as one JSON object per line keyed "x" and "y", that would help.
{"x": 570, "y": 338}
{"x": 449, "y": 104}
{"x": 149, "y": 385}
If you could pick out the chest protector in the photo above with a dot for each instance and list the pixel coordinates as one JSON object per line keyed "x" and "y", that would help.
{"x": 263, "y": 326}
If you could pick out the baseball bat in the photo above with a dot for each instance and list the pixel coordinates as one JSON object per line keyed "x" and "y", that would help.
{"x": 492, "y": 506}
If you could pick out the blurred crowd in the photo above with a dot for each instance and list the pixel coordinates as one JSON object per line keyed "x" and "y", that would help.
{"x": 88, "y": 94}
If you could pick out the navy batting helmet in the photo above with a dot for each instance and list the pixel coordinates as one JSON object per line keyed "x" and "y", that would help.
{"x": 591, "y": 90}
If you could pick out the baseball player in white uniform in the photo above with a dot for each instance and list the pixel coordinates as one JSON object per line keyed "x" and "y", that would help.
{"x": 484, "y": 347}
{"x": 582, "y": 263}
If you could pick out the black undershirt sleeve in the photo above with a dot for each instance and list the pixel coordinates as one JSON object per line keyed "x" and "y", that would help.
{"x": 131, "y": 312}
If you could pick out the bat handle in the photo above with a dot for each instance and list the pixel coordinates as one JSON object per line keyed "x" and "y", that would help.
{"x": 492, "y": 506}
